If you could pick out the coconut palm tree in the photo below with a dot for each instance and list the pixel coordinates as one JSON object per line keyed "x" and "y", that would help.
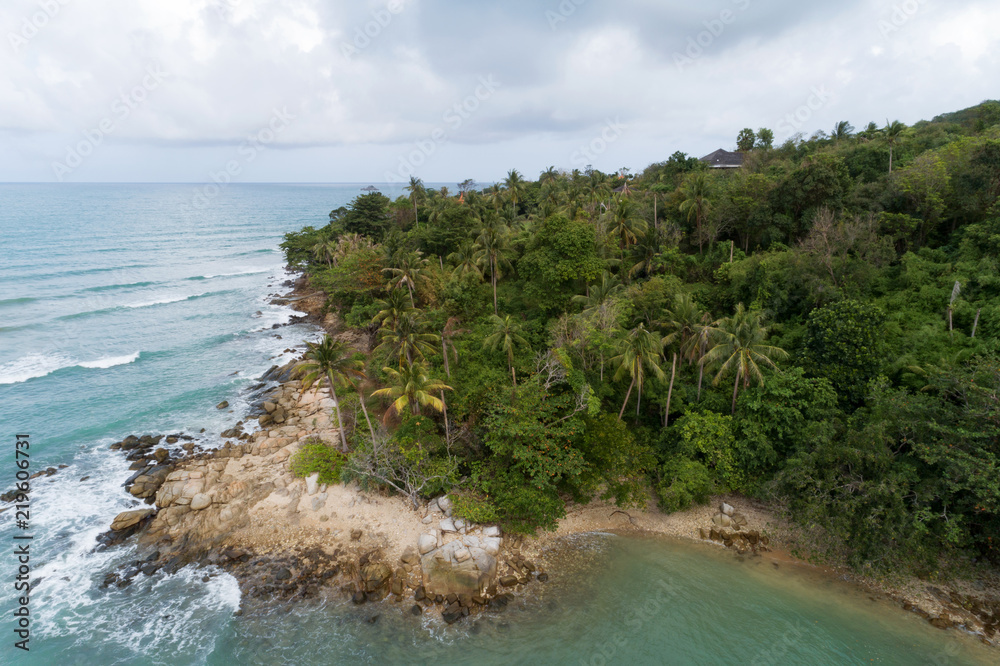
{"x": 696, "y": 191}
{"x": 626, "y": 226}
{"x": 325, "y": 250}
{"x": 411, "y": 386}
{"x": 842, "y": 130}
{"x": 407, "y": 270}
{"x": 332, "y": 361}
{"x": 515, "y": 186}
{"x": 392, "y": 309}
{"x": 492, "y": 244}
{"x": 495, "y": 196}
{"x": 640, "y": 350}
{"x": 408, "y": 339}
{"x": 417, "y": 192}
{"x": 740, "y": 350}
{"x": 550, "y": 175}
{"x": 892, "y": 133}
{"x": 598, "y": 293}
{"x": 506, "y": 335}
{"x": 448, "y": 334}
{"x": 465, "y": 260}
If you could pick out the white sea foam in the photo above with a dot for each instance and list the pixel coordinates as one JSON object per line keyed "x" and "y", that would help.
{"x": 162, "y": 301}
{"x": 111, "y": 361}
{"x": 40, "y": 365}
{"x": 249, "y": 272}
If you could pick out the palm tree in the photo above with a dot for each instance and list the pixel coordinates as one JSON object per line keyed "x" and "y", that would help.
{"x": 330, "y": 360}
{"x": 892, "y": 133}
{"x": 842, "y": 130}
{"x": 550, "y": 175}
{"x": 696, "y": 190}
{"x": 407, "y": 270}
{"x": 411, "y": 386}
{"x": 448, "y": 333}
{"x": 506, "y": 335}
{"x": 625, "y": 225}
{"x": 640, "y": 351}
{"x": 740, "y": 349}
{"x": 325, "y": 250}
{"x": 515, "y": 186}
{"x": 494, "y": 196}
{"x": 465, "y": 260}
{"x": 598, "y": 293}
{"x": 417, "y": 191}
{"x": 392, "y": 309}
{"x": 492, "y": 244}
{"x": 407, "y": 340}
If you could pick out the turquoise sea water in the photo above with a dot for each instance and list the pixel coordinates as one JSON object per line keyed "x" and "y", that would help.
{"x": 128, "y": 309}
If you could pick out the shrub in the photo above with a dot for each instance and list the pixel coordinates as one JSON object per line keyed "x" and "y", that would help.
{"x": 683, "y": 482}
{"x": 317, "y": 456}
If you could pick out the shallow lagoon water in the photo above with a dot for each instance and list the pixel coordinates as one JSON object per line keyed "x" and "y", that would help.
{"x": 125, "y": 309}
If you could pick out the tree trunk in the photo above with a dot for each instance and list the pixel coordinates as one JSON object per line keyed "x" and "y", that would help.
{"x": 361, "y": 397}
{"x": 670, "y": 391}
{"x": 493, "y": 279}
{"x": 975, "y": 324}
{"x": 736, "y": 387}
{"x": 951, "y": 328}
{"x": 701, "y": 374}
{"x": 444, "y": 348}
{"x": 410, "y": 289}
{"x": 340, "y": 422}
{"x": 416, "y": 219}
{"x": 444, "y": 410}
{"x": 656, "y": 226}
{"x": 628, "y": 394}
{"x": 731, "y": 246}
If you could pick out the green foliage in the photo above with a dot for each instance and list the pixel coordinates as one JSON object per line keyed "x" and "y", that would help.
{"x": 316, "y": 456}
{"x": 615, "y": 460}
{"x": 554, "y": 297}
{"x": 683, "y": 483}
{"x": 846, "y": 343}
{"x": 368, "y": 215}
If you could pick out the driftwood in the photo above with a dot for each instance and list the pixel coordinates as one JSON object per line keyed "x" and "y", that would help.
{"x": 626, "y": 513}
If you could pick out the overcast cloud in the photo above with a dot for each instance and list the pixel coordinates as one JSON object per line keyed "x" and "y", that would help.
{"x": 337, "y": 91}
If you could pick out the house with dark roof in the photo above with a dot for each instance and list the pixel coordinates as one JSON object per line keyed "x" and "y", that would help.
{"x": 723, "y": 159}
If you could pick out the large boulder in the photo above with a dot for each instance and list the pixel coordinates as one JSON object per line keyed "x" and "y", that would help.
{"x": 457, "y": 569}
{"x": 129, "y": 519}
{"x": 375, "y": 578}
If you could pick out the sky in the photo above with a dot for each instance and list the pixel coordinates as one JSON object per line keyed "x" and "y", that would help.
{"x": 335, "y": 91}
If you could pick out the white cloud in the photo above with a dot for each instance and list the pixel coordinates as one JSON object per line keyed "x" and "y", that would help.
{"x": 232, "y": 62}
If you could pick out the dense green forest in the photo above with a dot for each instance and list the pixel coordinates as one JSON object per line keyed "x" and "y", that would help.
{"x": 817, "y": 328}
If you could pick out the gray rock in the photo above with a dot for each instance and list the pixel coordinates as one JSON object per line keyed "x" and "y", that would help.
{"x": 312, "y": 483}
{"x": 448, "y": 525}
{"x": 492, "y": 545}
{"x": 445, "y": 505}
{"x": 727, "y": 509}
{"x": 491, "y": 531}
{"x": 222, "y": 405}
{"x": 426, "y": 543}
{"x": 455, "y": 569}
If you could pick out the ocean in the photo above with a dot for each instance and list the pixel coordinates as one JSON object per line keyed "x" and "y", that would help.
{"x": 135, "y": 309}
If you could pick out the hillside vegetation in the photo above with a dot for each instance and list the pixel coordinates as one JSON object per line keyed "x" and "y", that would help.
{"x": 817, "y": 327}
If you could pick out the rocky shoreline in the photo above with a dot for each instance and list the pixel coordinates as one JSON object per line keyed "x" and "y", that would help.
{"x": 286, "y": 538}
